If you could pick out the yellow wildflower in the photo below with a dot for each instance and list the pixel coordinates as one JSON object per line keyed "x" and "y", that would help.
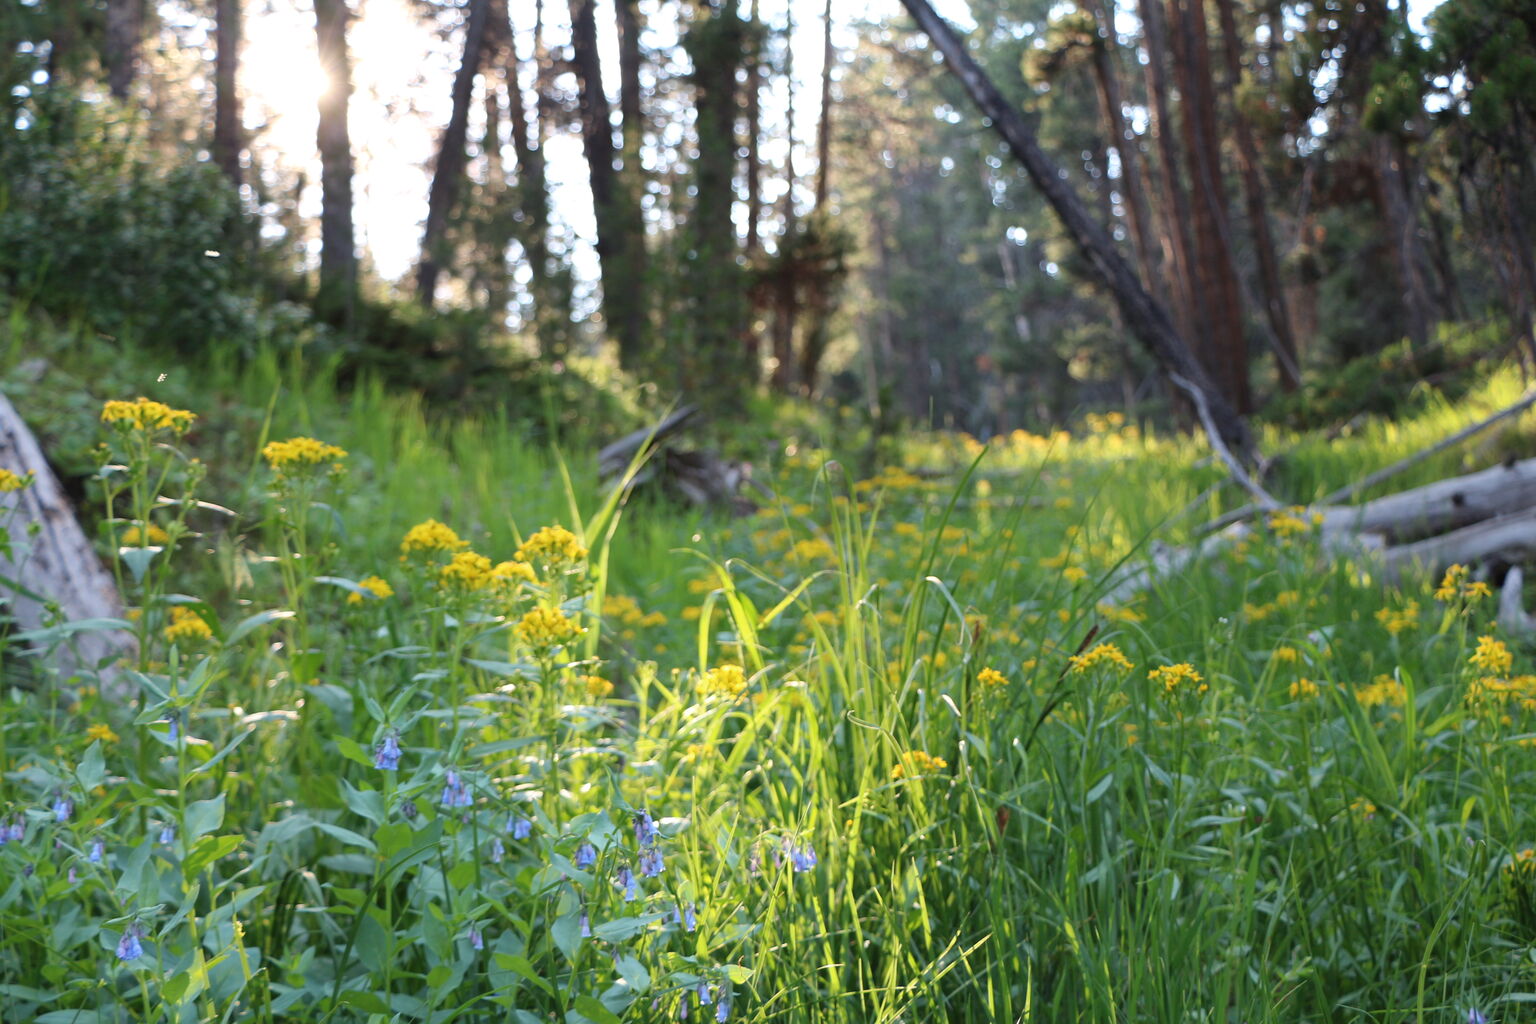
{"x": 1285, "y": 654}
{"x": 511, "y": 572}
{"x": 1103, "y": 654}
{"x": 137, "y": 537}
{"x": 375, "y": 585}
{"x": 186, "y": 625}
{"x": 551, "y": 546}
{"x": 1288, "y": 522}
{"x": 1476, "y": 591}
{"x": 1304, "y": 689}
{"x": 1450, "y": 584}
{"x": 918, "y": 762}
{"x": 1362, "y": 808}
{"x": 723, "y": 681}
{"x": 991, "y": 678}
{"x": 101, "y": 731}
{"x": 545, "y": 628}
{"x": 431, "y": 536}
{"x": 1491, "y": 655}
{"x": 1074, "y": 574}
{"x": 1179, "y": 677}
{"x": 143, "y": 414}
{"x": 1522, "y": 864}
{"x": 466, "y": 571}
{"x": 1383, "y": 691}
{"x": 1399, "y": 621}
{"x": 300, "y": 454}
{"x": 11, "y": 482}
{"x": 696, "y": 752}
{"x": 598, "y": 687}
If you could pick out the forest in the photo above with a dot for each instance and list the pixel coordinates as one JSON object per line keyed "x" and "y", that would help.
{"x": 771, "y": 510}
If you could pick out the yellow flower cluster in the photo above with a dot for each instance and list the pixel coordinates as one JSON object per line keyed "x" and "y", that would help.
{"x": 1454, "y": 584}
{"x": 1362, "y": 808}
{"x": 626, "y": 611}
{"x": 466, "y": 571}
{"x": 301, "y": 454}
{"x": 1104, "y": 654}
{"x": 431, "y": 536}
{"x": 1287, "y": 523}
{"x": 1304, "y": 689}
{"x": 1401, "y": 620}
{"x": 918, "y": 762}
{"x": 1287, "y": 655}
{"x": 598, "y": 687}
{"x": 375, "y": 585}
{"x": 544, "y": 629}
{"x": 1520, "y": 690}
{"x": 511, "y": 572}
{"x": 1522, "y": 865}
{"x": 992, "y": 679}
{"x": 137, "y": 537}
{"x": 723, "y": 681}
{"x": 101, "y": 731}
{"x": 143, "y": 414}
{"x": 186, "y": 625}
{"x": 551, "y": 546}
{"x": 1179, "y": 678}
{"x": 11, "y": 482}
{"x": 1383, "y": 691}
{"x": 1491, "y": 656}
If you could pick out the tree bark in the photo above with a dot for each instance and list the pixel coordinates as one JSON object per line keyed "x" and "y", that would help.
{"x": 1255, "y": 195}
{"x": 824, "y": 130}
{"x": 448, "y": 172}
{"x": 1223, "y": 347}
{"x": 619, "y": 255}
{"x": 754, "y": 131}
{"x": 338, "y": 246}
{"x": 786, "y": 300}
{"x": 1144, "y": 315}
{"x": 125, "y": 27}
{"x": 227, "y": 130}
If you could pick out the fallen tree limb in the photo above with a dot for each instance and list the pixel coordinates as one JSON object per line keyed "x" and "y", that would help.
{"x": 1443, "y": 505}
{"x": 54, "y": 570}
{"x": 1509, "y": 538}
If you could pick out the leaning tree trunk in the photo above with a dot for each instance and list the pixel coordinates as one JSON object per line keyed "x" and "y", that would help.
{"x": 448, "y": 173}
{"x": 125, "y": 24}
{"x": 338, "y": 245}
{"x": 1144, "y": 315}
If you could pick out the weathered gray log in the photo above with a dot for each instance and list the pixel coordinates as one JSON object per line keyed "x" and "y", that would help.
{"x": 51, "y": 558}
{"x": 1513, "y": 617}
{"x": 1510, "y": 539}
{"x": 616, "y": 457}
{"x": 1443, "y": 505}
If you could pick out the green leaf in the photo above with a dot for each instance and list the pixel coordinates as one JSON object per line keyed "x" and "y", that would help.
{"x": 566, "y": 933}
{"x": 737, "y": 973}
{"x": 368, "y": 1002}
{"x": 353, "y": 751}
{"x": 634, "y": 972}
{"x": 221, "y": 755}
{"x": 372, "y": 943}
{"x": 365, "y": 803}
{"x": 590, "y": 1009}
{"x": 137, "y": 560}
{"x": 92, "y": 769}
{"x": 462, "y": 874}
{"x": 520, "y": 966}
{"x": 505, "y": 669}
{"x": 346, "y": 835}
{"x": 254, "y": 622}
{"x": 204, "y": 816}
{"x": 207, "y": 850}
{"x": 393, "y": 838}
{"x": 439, "y": 975}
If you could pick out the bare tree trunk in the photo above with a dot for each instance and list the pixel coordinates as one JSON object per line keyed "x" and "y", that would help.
{"x": 824, "y": 131}
{"x": 1254, "y": 194}
{"x": 338, "y": 246}
{"x": 1143, "y": 314}
{"x": 754, "y": 132}
{"x": 1174, "y": 209}
{"x": 1107, "y": 75}
{"x": 786, "y": 297}
{"x": 227, "y": 131}
{"x": 125, "y": 27}
{"x": 448, "y": 170}
{"x": 1224, "y": 348}
{"x": 619, "y": 255}
{"x": 1395, "y": 203}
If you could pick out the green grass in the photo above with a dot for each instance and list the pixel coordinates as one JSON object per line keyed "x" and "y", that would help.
{"x": 1328, "y": 825}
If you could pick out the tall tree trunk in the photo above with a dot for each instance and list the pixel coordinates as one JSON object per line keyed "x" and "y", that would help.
{"x": 1255, "y": 196}
{"x": 448, "y": 171}
{"x": 713, "y": 285}
{"x": 630, "y": 184}
{"x": 1174, "y": 209}
{"x": 125, "y": 29}
{"x": 495, "y": 236}
{"x": 754, "y": 132}
{"x": 1107, "y": 75}
{"x": 338, "y": 247}
{"x": 820, "y": 283}
{"x": 619, "y": 255}
{"x": 1394, "y": 200}
{"x": 824, "y": 130}
{"x": 1143, "y": 314}
{"x": 227, "y": 131}
{"x": 785, "y": 289}
{"x": 1224, "y": 347}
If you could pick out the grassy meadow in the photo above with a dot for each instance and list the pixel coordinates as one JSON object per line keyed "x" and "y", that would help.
{"x": 424, "y": 726}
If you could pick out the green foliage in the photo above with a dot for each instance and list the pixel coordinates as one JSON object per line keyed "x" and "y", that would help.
{"x": 93, "y": 223}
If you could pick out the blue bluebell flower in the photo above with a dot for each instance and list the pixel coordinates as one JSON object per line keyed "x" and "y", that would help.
{"x": 498, "y": 851}
{"x": 408, "y": 809}
{"x": 386, "y": 756}
{"x": 584, "y": 924}
{"x": 682, "y": 1009}
{"x": 702, "y": 991}
{"x": 168, "y": 833}
{"x": 690, "y": 918}
{"x": 15, "y": 832}
{"x": 650, "y": 862}
{"x": 173, "y": 732}
{"x": 455, "y": 793}
{"x": 74, "y": 876}
{"x": 63, "y": 808}
{"x": 97, "y": 851}
{"x": 802, "y": 857}
{"x": 520, "y": 826}
{"x": 586, "y": 856}
{"x": 476, "y": 942}
{"x": 625, "y": 879}
{"x": 129, "y": 947}
{"x": 645, "y": 830}
{"x": 723, "y": 1007}
{"x": 1475, "y": 1016}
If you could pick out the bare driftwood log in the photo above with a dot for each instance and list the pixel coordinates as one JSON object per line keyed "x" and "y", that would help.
{"x": 691, "y": 476}
{"x": 52, "y": 573}
{"x": 1512, "y": 614}
{"x": 1443, "y": 505}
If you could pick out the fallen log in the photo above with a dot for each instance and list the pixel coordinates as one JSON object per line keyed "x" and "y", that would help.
{"x": 52, "y": 575}
{"x": 1443, "y": 505}
{"x": 690, "y": 476}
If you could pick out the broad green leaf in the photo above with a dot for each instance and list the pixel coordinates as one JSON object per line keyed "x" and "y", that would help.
{"x": 204, "y": 816}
